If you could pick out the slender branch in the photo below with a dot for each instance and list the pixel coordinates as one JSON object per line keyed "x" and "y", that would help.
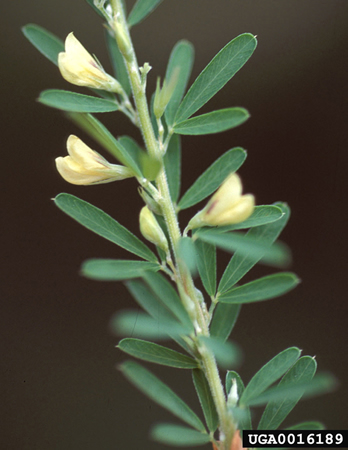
{"x": 183, "y": 277}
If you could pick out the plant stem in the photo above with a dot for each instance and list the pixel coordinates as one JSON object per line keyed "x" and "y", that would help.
{"x": 184, "y": 280}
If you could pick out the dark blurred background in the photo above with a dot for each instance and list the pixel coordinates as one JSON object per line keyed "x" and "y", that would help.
{"x": 61, "y": 389}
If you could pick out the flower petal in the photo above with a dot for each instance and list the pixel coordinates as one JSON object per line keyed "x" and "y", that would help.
{"x": 79, "y": 67}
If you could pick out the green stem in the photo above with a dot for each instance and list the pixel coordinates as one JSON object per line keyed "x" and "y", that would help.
{"x": 184, "y": 280}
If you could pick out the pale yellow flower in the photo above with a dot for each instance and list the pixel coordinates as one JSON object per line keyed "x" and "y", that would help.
{"x": 79, "y": 67}
{"x": 226, "y": 207}
{"x": 85, "y": 166}
{"x": 151, "y": 230}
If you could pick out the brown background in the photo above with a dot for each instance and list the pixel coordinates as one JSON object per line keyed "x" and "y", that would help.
{"x": 61, "y": 389}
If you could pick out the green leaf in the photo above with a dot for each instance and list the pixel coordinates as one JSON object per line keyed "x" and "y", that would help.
{"x": 102, "y": 135}
{"x": 152, "y": 115}
{"x": 269, "y": 373}
{"x": 148, "y": 165}
{"x": 278, "y": 408}
{"x": 101, "y": 223}
{"x": 186, "y": 252}
{"x": 216, "y": 74}
{"x": 261, "y": 215}
{"x": 132, "y": 148}
{"x": 226, "y": 353}
{"x": 205, "y": 398}
{"x": 241, "y": 262}
{"x": 224, "y": 318}
{"x": 148, "y": 351}
{"x": 262, "y": 289}
{"x": 149, "y": 301}
{"x": 71, "y": 101}
{"x": 179, "y": 65}
{"x": 162, "y": 288}
{"x": 141, "y": 10}
{"x": 206, "y": 263}
{"x": 141, "y": 325}
{"x": 92, "y": 5}
{"x": 178, "y": 436}
{"x": 160, "y": 393}
{"x": 247, "y": 245}
{"x": 172, "y": 164}
{"x": 212, "y": 178}
{"x": 244, "y": 416}
{"x": 154, "y": 305}
{"x": 117, "y": 62}
{"x": 321, "y": 384}
{"x": 47, "y": 43}
{"x": 116, "y": 269}
{"x": 213, "y": 122}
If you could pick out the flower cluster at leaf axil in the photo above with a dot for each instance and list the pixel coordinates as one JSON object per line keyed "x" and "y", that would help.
{"x": 84, "y": 166}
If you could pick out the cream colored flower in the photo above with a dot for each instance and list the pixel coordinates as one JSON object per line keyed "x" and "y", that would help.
{"x": 151, "y": 230}
{"x": 226, "y": 207}
{"x": 79, "y": 67}
{"x": 85, "y": 166}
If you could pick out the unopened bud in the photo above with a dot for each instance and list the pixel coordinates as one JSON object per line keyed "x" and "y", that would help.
{"x": 232, "y": 398}
{"x": 164, "y": 94}
{"x": 150, "y": 202}
{"x": 151, "y": 230}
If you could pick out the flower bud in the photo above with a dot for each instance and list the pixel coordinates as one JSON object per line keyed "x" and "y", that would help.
{"x": 232, "y": 398}
{"x": 226, "y": 207}
{"x": 151, "y": 230}
{"x": 150, "y": 202}
{"x": 79, "y": 67}
{"x": 164, "y": 94}
{"x": 84, "y": 166}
